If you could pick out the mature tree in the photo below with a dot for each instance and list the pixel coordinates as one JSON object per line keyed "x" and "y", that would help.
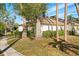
{"x": 2, "y": 9}
{"x": 77, "y": 8}
{"x": 5, "y": 17}
{"x": 71, "y": 20}
{"x": 57, "y": 22}
{"x": 70, "y": 17}
{"x": 65, "y": 24}
{"x": 2, "y": 12}
{"x": 30, "y": 11}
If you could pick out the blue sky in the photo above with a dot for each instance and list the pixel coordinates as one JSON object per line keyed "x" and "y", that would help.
{"x": 10, "y": 9}
{"x": 51, "y": 11}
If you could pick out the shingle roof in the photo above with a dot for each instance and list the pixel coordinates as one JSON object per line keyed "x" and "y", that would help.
{"x": 50, "y": 21}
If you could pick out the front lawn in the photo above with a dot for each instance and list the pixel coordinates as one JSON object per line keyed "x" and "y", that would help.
{"x": 35, "y": 47}
{"x": 30, "y": 47}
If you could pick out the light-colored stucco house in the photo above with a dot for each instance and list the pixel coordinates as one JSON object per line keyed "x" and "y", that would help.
{"x": 46, "y": 24}
{"x": 51, "y": 25}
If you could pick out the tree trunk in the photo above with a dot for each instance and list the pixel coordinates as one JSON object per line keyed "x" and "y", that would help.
{"x": 57, "y": 37}
{"x": 65, "y": 23}
{"x": 77, "y": 8}
{"x": 24, "y": 34}
{"x": 38, "y": 29}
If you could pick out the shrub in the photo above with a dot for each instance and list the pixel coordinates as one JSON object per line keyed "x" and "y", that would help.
{"x": 16, "y": 33}
{"x": 61, "y": 33}
{"x": 71, "y": 32}
{"x": 2, "y": 28}
{"x": 13, "y": 33}
{"x": 30, "y": 33}
{"x": 47, "y": 33}
{"x": 52, "y": 33}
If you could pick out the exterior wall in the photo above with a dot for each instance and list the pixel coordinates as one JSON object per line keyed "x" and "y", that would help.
{"x": 44, "y": 28}
{"x": 53, "y": 28}
{"x": 76, "y": 27}
{"x": 50, "y": 27}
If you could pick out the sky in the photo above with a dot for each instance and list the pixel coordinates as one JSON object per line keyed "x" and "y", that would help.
{"x": 10, "y": 9}
{"x": 51, "y": 11}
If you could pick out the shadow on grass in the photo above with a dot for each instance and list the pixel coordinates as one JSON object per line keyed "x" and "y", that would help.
{"x": 32, "y": 38}
{"x": 65, "y": 47}
{"x": 1, "y": 36}
{"x": 10, "y": 37}
{"x": 9, "y": 45}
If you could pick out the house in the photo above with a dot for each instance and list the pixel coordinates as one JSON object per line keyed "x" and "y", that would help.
{"x": 74, "y": 24}
{"x": 45, "y": 24}
{"x": 50, "y": 24}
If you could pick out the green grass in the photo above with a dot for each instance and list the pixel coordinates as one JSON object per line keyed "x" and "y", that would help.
{"x": 40, "y": 47}
{"x": 36, "y": 47}
{"x": 73, "y": 39}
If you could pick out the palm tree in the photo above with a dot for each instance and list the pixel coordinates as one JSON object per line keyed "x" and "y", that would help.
{"x": 57, "y": 22}
{"x": 77, "y": 8}
{"x": 65, "y": 24}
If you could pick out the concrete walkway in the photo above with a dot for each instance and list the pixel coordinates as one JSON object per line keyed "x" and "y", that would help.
{"x": 10, "y": 51}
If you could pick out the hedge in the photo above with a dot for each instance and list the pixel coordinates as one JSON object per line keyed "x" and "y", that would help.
{"x": 2, "y": 28}
{"x": 52, "y": 33}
